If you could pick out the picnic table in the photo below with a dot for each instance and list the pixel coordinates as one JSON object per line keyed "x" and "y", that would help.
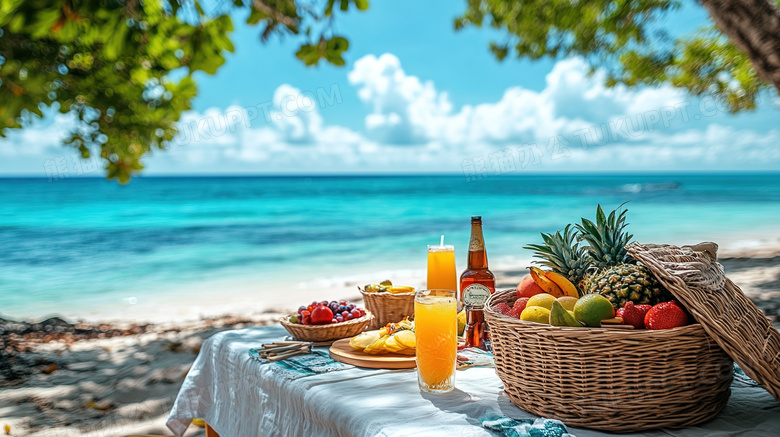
{"x": 240, "y": 396}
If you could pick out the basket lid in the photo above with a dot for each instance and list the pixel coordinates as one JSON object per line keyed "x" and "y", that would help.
{"x": 693, "y": 275}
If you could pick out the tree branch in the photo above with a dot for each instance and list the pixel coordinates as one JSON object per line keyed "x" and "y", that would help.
{"x": 275, "y": 15}
{"x": 754, "y": 27}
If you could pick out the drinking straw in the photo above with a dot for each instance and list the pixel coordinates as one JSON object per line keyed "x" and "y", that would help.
{"x": 442, "y": 241}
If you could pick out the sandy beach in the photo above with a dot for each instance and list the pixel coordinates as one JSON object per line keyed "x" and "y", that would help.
{"x": 118, "y": 377}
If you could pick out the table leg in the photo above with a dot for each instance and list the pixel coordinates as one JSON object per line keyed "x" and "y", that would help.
{"x": 210, "y": 432}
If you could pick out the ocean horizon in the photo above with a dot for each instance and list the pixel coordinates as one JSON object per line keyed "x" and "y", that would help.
{"x": 83, "y": 247}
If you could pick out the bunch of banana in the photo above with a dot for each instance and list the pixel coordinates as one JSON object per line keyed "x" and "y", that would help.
{"x": 393, "y": 337}
{"x": 387, "y": 286}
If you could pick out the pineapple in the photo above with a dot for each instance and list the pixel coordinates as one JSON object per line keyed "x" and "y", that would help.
{"x": 616, "y": 275}
{"x": 563, "y": 254}
{"x": 627, "y": 282}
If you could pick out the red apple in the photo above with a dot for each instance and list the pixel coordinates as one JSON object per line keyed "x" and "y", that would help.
{"x": 321, "y": 315}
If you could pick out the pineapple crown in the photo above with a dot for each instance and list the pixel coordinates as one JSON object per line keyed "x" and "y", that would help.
{"x": 562, "y": 252}
{"x": 606, "y": 239}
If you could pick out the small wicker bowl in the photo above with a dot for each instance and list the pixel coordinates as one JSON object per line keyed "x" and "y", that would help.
{"x": 333, "y": 331}
{"x": 616, "y": 380}
{"x": 388, "y": 307}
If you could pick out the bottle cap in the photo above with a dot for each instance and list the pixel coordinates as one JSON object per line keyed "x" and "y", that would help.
{"x": 476, "y": 217}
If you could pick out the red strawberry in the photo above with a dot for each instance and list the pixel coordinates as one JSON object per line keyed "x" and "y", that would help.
{"x": 644, "y": 308}
{"x": 632, "y": 315}
{"x": 502, "y": 308}
{"x": 518, "y": 307}
{"x": 520, "y": 304}
{"x": 666, "y": 315}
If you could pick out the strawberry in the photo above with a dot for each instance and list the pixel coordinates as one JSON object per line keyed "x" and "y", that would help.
{"x": 502, "y": 308}
{"x": 634, "y": 315}
{"x": 644, "y": 308}
{"x": 518, "y": 307}
{"x": 666, "y": 315}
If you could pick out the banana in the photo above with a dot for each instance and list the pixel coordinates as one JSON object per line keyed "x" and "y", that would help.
{"x": 400, "y": 289}
{"x": 539, "y": 276}
{"x": 564, "y": 284}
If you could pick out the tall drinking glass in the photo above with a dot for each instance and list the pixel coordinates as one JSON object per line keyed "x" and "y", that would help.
{"x": 435, "y": 325}
{"x": 441, "y": 268}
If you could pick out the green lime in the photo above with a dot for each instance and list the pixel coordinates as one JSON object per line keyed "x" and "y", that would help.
{"x": 592, "y": 309}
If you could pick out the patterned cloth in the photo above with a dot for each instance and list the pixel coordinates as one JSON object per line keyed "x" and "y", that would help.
{"x": 527, "y": 427}
{"x": 472, "y": 357}
{"x": 299, "y": 366}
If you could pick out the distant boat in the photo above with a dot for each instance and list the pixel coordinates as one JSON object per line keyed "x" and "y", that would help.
{"x": 646, "y": 188}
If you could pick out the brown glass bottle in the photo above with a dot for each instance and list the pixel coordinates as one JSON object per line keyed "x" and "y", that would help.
{"x": 477, "y": 283}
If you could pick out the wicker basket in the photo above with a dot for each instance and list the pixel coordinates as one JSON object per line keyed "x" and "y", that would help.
{"x": 694, "y": 276}
{"x": 613, "y": 380}
{"x": 388, "y": 307}
{"x": 335, "y": 331}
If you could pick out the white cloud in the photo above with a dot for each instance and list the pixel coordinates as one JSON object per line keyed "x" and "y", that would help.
{"x": 40, "y": 137}
{"x": 410, "y": 126}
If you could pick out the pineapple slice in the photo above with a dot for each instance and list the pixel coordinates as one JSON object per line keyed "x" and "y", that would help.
{"x": 377, "y": 347}
{"x": 361, "y": 341}
{"x": 392, "y": 345}
{"x": 406, "y": 338}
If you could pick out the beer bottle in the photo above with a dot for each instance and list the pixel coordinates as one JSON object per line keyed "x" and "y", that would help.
{"x": 477, "y": 283}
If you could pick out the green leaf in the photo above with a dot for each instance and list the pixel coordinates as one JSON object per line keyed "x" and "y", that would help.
{"x": 309, "y": 54}
{"x": 255, "y": 16}
{"x": 329, "y": 8}
{"x": 116, "y": 41}
{"x": 334, "y": 49}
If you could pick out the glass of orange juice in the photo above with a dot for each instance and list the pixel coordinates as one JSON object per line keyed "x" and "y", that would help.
{"x": 435, "y": 326}
{"x": 441, "y": 268}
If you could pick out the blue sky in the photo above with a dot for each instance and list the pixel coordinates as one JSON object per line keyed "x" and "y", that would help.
{"x": 416, "y": 96}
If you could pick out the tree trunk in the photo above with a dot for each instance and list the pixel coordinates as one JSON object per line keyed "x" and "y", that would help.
{"x": 754, "y": 27}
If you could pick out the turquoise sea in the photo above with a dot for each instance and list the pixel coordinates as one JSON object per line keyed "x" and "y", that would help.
{"x": 79, "y": 245}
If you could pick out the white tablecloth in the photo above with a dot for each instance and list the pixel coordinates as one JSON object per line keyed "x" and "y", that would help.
{"x": 241, "y": 397}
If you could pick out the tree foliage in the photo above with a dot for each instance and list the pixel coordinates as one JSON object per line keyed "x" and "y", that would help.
{"x": 110, "y": 63}
{"x": 627, "y": 39}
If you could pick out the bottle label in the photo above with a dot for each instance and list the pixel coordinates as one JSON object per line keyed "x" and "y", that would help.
{"x": 475, "y": 295}
{"x": 477, "y": 243}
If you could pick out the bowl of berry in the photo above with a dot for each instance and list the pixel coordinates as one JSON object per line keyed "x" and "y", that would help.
{"x": 324, "y": 321}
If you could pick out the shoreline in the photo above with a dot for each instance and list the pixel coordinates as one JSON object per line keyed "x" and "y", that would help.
{"x": 208, "y": 301}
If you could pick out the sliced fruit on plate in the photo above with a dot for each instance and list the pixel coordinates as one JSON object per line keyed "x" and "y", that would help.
{"x": 363, "y": 340}
{"x": 392, "y": 345}
{"x": 406, "y": 338}
{"x": 377, "y": 347}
